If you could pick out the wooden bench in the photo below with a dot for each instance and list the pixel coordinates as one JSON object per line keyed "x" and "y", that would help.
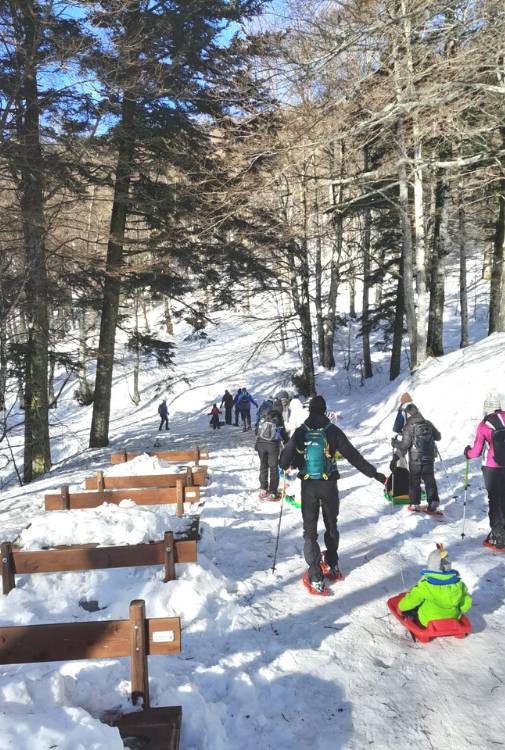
{"x": 191, "y": 478}
{"x": 166, "y": 552}
{"x": 196, "y": 454}
{"x": 137, "y": 637}
{"x": 180, "y": 494}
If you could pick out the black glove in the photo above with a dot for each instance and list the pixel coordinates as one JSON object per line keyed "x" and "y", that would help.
{"x": 466, "y": 451}
{"x": 393, "y": 462}
{"x": 380, "y": 477}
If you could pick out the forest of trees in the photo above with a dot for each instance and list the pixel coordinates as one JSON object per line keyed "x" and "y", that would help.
{"x": 149, "y": 150}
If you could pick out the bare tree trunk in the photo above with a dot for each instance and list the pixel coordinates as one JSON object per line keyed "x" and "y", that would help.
{"x": 99, "y": 435}
{"x": 37, "y": 454}
{"x": 435, "y": 343}
{"x": 497, "y": 296}
{"x": 407, "y": 262}
{"x": 51, "y": 397}
{"x": 463, "y": 293}
{"x": 365, "y": 315}
{"x": 420, "y": 234}
{"x": 136, "y": 351}
{"x": 169, "y": 325}
{"x": 396, "y": 349}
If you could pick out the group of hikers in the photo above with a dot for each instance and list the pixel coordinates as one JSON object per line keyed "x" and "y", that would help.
{"x": 312, "y": 449}
{"x": 241, "y": 403}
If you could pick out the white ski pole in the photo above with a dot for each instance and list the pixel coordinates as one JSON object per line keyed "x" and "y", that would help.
{"x": 283, "y": 494}
{"x": 454, "y": 495}
{"x": 464, "y": 499}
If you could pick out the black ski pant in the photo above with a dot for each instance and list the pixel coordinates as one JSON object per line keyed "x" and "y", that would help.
{"x": 495, "y": 486}
{"x": 424, "y": 472}
{"x": 268, "y": 452}
{"x": 164, "y": 421}
{"x": 227, "y": 414}
{"x": 215, "y": 423}
{"x": 246, "y": 418}
{"x": 236, "y": 416}
{"x": 315, "y": 493}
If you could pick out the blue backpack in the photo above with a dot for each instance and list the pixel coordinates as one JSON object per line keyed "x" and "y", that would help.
{"x": 318, "y": 463}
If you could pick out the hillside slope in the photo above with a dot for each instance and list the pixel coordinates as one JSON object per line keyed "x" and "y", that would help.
{"x": 263, "y": 664}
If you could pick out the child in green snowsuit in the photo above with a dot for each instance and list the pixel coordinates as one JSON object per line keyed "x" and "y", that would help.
{"x": 440, "y": 594}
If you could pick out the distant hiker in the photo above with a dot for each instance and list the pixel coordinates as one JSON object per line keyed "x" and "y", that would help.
{"x": 491, "y": 438}
{"x": 244, "y": 402}
{"x": 227, "y": 401}
{"x": 418, "y": 440}
{"x": 283, "y": 397}
{"x": 311, "y": 450}
{"x": 270, "y": 433}
{"x": 235, "y": 401}
{"x": 439, "y": 595}
{"x": 214, "y": 421}
{"x": 400, "y": 418}
{"x": 163, "y": 412}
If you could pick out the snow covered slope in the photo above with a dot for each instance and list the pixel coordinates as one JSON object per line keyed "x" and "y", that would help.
{"x": 263, "y": 664}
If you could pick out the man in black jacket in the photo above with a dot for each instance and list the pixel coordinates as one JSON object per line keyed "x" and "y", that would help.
{"x": 228, "y": 402}
{"x": 418, "y": 440}
{"x": 322, "y": 491}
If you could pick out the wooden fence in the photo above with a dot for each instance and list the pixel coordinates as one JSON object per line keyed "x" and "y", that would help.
{"x": 137, "y": 637}
{"x": 179, "y": 494}
{"x": 166, "y": 552}
{"x": 196, "y": 454}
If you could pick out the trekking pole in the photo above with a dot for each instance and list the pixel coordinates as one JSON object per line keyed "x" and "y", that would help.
{"x": 454, "y": 495}
{"x": 283, "y": 494}
{"x": 464, "y": 498}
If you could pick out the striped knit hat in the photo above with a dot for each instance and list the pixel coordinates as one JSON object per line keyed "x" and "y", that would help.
{"x": 492, "y": 403}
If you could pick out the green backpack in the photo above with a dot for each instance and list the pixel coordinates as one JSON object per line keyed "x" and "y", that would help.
{"x": 318, "y": 464}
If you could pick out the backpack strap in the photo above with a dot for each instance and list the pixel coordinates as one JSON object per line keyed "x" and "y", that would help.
{"x": 495, "y": 421}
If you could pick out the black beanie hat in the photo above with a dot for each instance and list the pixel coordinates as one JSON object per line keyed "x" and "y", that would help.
{"x": 317, "y": 405}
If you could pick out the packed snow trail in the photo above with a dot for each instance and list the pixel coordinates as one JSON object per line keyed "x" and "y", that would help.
{"x": 305, "y": 671}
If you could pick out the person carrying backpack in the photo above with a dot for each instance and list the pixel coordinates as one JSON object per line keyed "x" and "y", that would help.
{"x": 311, "y": 450}
{"x": 163, "y": 412}
{"x": 270, "y": 433}
{"x": 244, "y": 402}
{"x": 491, "y": 438}
{"x": 235, "y": 401}
{"x": 418, "y": 440}
{"x": 228, "y": 402}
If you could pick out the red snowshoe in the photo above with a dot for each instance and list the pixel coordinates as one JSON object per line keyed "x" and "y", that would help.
{"x": 332, "y": 574}
{"x": 425, "y": 509}
{"x": 435, "y": 629}
{"x": 310, "y": 587}
{"x": 489, "y": 544}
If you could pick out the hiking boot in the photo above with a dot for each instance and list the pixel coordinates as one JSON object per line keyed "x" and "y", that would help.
{"x": 433, "y": 506}
{"x": 496, "y": 539}
{"x": 332, "y": 572}
{"x": 263, "y": 494}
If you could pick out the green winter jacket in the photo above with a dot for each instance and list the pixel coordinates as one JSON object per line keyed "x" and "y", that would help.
{"x": 438, "y": 595}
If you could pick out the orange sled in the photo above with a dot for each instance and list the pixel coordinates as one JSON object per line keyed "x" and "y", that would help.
{"x": 435, "y": 629}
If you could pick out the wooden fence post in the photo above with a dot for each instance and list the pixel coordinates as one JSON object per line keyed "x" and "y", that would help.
{"x": 138, "y": 653}
{"x": 125, "y": 456}
{"x": 7, "y": 562}
{"x": 65, "y": 497}
{"x": 197, "y": 455}
{"x": 179, "y": 493}
{"x": 100, "y": 482}
{"x": 189, "y": 476}
{"x": 169, "y": 554}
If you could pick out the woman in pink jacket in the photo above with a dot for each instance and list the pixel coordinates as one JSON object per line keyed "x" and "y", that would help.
{"x": 491, "y": 438}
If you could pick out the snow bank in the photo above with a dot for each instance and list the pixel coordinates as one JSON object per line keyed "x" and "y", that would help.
{"x": 144, "y": 465}
{"x": 106, "y": 525}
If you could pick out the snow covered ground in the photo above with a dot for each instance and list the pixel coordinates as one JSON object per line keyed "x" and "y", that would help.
{"x": 263, "y": 664}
